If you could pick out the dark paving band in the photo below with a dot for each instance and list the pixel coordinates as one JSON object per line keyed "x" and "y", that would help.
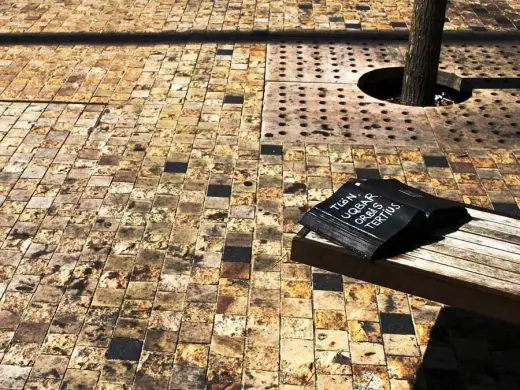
{"x": 131, "y": 38}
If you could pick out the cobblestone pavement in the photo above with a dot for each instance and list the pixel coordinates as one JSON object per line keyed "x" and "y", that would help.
{"x": 182, "y": 15}
{"x": 145, "y": 228}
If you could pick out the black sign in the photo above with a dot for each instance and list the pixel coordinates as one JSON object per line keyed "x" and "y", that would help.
{"x": 372, "y": 222}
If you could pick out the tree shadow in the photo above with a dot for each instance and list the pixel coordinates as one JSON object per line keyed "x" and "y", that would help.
{"x": 470, "y": 351}
{"x": 209, "y": 36}
{"x": 493, "y": 82}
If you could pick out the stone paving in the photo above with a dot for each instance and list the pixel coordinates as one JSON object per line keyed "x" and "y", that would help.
{"x": 224, "y": 15}
{"x": 145, "y": 225}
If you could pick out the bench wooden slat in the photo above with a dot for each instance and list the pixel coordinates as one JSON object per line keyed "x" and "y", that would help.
{"x": 492, "y": 230}
{"x": 476, "y": 257}
{"x": 486, "y": 241}
{"x": 483, "y": 273}
{"x": 496, "y": 227}
{"x": 488, "y": 216}
{"x": 485, "y": 250}
{"x": 475, "y": 280}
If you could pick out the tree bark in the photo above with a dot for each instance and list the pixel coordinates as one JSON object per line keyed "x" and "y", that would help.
{"x": 424, "y": 49}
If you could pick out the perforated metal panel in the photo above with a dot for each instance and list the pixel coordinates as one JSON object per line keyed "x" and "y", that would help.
{"x": 489, "y": 118}
{"x": 481, "y": 60}
{"x": 328, "y": 62}
{"x": 312, "y": 95}
{"x": 340, "y": 113}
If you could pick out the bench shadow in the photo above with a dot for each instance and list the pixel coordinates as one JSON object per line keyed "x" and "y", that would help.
{"x": 470, "y": 351}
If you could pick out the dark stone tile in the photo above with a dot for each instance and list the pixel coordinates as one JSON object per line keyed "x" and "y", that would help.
{"x": 124, "y": 349}
{"x": 363, "y": 7}
{"x": 29, "y": 332}
{"x": 327, "y": 282}
{"x": 480, "y": 10}
{"x": 219, "y": 190}
{"x": 176, "y": 265}
{"x": 235, "y": 270}
{"x": 264, "y": 297}
{"x": 436, "y": 162}
{"x": 109, "y": 160}
{"x": 336, "y": 19}
{"x": 305, "y": 6}
{"x": 507, "y": 208}
{"x": 392, "y": 323}
{"x": 237, "y": 254}
{"x": 353, "y": 25}
{"x": 175, "y": 167}
{"x": 398, "y": 24}
{"x": 225, "y": 52}
{"x": 502, "y": 20}
{"x": 460, "y": 167}
{"x": 367, "y": 173}
{"x": 233, "y": 99}
{"x": 274, "y": 150}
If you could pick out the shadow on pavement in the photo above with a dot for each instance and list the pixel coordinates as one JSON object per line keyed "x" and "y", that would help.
{"x": 130, "y": 38}
{"x": 494, "y": 82}
{"x": 467, "y": 351}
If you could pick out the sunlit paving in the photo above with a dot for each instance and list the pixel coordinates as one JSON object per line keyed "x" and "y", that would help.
{"x": 197, "y": 194}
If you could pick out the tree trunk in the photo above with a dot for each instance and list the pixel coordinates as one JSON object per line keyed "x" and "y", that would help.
{"x": 424, "y": 49}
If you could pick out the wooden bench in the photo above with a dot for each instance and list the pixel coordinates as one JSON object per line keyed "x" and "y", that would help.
{"x": 475, "y": 268}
